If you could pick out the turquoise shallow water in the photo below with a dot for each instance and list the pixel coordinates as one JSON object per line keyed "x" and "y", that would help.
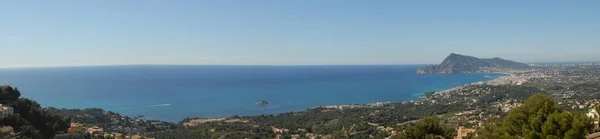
{"x": 172, "y": 93}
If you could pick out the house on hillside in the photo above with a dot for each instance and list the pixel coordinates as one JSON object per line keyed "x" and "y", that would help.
{"x": 6, "y": 130}
{"x": 95, "y": 130}
{"x": 76, "y": 128}
{"x": 5, "y": 111}
{"x": 592, "y": 113}
{"x": 593, "y": 136}
{"x": 463, "y": 132}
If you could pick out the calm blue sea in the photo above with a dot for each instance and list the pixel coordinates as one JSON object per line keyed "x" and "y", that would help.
{"x": 172, "y": 93}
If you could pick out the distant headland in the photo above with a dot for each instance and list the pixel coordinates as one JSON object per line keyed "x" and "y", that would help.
{"x": 456, "y": 63}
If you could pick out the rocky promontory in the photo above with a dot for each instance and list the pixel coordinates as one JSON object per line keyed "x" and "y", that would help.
{"x": 456, "y": 63}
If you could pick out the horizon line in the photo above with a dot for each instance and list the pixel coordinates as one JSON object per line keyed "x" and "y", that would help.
{"x": 275, "y": 65}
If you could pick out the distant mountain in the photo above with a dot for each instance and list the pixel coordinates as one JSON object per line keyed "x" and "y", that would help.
{"x": 456, "y": 63}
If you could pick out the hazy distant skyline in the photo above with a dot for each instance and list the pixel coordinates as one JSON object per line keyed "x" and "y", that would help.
{"x": 293, "y": 32}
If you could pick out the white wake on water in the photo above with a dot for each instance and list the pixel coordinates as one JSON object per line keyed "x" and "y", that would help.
{"x": 156, "y": 105}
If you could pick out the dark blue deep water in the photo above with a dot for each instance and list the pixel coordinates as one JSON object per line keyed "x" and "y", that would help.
{"x": 172, "y": 93}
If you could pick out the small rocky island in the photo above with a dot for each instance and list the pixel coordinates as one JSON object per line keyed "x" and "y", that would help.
{"x": 262, "y": 102}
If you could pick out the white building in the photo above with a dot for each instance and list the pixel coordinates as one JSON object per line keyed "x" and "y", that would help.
{"x": 593, "y": 114}
{"x": 5, "y": 111}
{"x": 95, "y": 130}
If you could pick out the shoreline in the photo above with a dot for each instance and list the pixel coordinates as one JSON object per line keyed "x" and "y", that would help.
{"x": 500, "y": 79}
{"x": 504, "y": 74}
{"x": 409, "y": 97}
{"x": 373, "y": 104}
{"x": 377, "y": 103}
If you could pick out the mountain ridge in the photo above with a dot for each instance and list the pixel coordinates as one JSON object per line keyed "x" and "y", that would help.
{"x": 457, "y": 63}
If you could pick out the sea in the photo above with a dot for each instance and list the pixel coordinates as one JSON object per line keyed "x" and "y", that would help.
{"x": 172, "y": 93}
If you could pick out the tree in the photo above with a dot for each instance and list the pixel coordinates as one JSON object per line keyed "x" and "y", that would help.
{"x": 567, "y": 125}
{"x": 427, "y": 128}
{"x": 46, "y": 123}
{"x": 8, "y": 94}
{"x": 539, "y": 117}
{"x": 488, "y": 130}
{"x": 528, "y": 118}
{"x": 29, "y": 119}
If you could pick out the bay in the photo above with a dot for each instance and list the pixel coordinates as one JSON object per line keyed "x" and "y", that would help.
{"x": 172, "y": 93}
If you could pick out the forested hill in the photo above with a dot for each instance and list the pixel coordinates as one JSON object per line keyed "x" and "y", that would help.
{"x": 27, "y": 118}
{"x": 111, "y": 121}
{"x": 24, "y": 118}
{"x": 456, "y": 63}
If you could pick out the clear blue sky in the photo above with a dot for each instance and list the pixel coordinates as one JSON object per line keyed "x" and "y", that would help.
{"x": 293, "y": 32}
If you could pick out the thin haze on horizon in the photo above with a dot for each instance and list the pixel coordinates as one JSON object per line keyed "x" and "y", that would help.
{"x": 293, "y": 32}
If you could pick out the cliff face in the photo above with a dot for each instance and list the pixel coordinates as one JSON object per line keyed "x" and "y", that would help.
{"x": 427, "y": 69}
{"x": 456, "y": 63}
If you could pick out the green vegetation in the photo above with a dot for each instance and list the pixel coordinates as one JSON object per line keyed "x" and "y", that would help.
{"x": 85, "y": 116}
{"x": 218, "y": 130}
{"x": 539, "y": 117}
{"x": 29, "y": 119}
{"x": 348, "y": 123}
{"x": 428, "y": 128}
{"x": 111, "y": 121}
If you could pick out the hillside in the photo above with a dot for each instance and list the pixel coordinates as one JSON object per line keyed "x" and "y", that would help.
{"x": 24, "y": 118}
{"x": 456, "y": 63}
{"x": 111, "y": 121}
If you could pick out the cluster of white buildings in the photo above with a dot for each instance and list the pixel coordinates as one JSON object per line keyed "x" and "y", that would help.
{"x": 511, "y": 79}
{"x": 341, "y": 107}
{"x": 198, "y": 121}
{"x": 354, "y": 106}
{"x": 379, "y": 104}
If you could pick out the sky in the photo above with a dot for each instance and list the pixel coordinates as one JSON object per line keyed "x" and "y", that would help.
{"x": 39, "y": 33}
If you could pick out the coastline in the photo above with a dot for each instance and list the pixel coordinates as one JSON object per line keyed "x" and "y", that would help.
{"x": 379, "y": 103}
{"x": 499, "y": 80}
{"x": 506, "y": 78}
{"x": 496, "y": 79}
